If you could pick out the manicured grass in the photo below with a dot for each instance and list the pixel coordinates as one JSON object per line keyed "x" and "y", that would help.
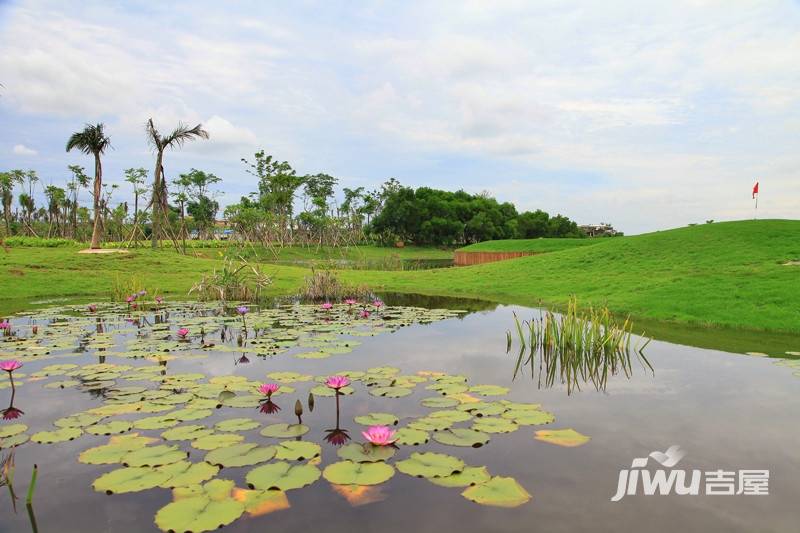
{"x": 729, "y": 274}
{"x": 531, "y": 245}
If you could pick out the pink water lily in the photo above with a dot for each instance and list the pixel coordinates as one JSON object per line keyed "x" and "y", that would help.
{"x": 183, "y": 332}
{"x": 267, "y": 389}
{"x": 351, "y": 301}
{"x": 337, "y": 382}
{"x": 142, "y": 292}
{"x": 327, "y": 306}
{"x": 10, "y": 365}
{"x": 91, "y": 308}
{"x": 377, "y": 303}
{"x": 379, "y": 435}
{"x": 5, "y": 324}
{"x": 364, "y": 313}
{"x": 129, "y": 299}
{"x": 12, "y": 413}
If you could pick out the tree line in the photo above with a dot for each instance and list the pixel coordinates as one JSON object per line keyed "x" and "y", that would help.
{"x": 285, "y": 209}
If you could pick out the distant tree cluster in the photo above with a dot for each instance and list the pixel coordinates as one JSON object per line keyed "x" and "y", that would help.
{"x": 431, "y": 216}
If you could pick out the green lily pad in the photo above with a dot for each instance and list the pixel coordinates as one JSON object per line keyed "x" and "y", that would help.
{"x": 390, "y": 392}
{"x": 529, "y": 417}
{"x": 155, "y": 422}
{"x": 498, "y": 492}
{"x": 199, "y": 509}
{"x": 134, "y": 479}
{"x": 430, "y": 424}
{"x": 188, "y": 432}
{"x": 78, "y": 420}
{"x": 462, "y": 437}
{"x": 453, "y": 416}
{"x": 411, "y": 437}
{"x": 243, "y": 454}
{"x": 63, "y": 384}
{"x": 12, "y": 429}
{"x": 325, "y": 391}
{"x": 110, "y": 428}
{"x": 439, "y": 402}
{"x": 365, "y": 453}
{"x": 483, "y": 408}
{"x": 295, "y": 450}
{"x": 115, "y": 450}
{"x": 59, "y": 435}
{"x": 494, "y": 425}
{"x": 236, "y": 424}
{"x": 183, "y": 415}
{"x": 289, "y": 377}
{"x": 447, "y": 389}
{"x": 430, "y": 464}
{"x": 282, "y": 476}
{"x": 377, "y": 419}
{"x": 217, "y": 440}
{"x": 249, "y": 400}
{"x": 283, "y": 431}
{"x": 14, "y": 440}
{"x": 489, "y": 390}
{"x": 160, "y": 455}
{"x": 184, "y": 473}
{"x": 562, "y": 437}
{"x": 472, "y": 475}
{"x": 351, "y": 473}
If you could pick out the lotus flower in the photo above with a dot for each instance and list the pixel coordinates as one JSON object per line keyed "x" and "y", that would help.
{"x": 351, "y": 301}
{"x": 379, "y": 435}
{"x": 10, "y": 365}
{"x": 242, "y": 310}
{"x": 12, "y": 413}
{"x": 327, "y": 306}
{"x": 364, "y": 313}
{"x": 183, "y": 332}
{"x": 337, "y": 382}
{"x": 129, "y": 299}
{"x": 142, "y": 292}
{"x": 377, "y": 303}
{"x": 134, "y": 305}
{"x": 5, "y": 324}
{"x": 267, "y": 389}
{"x": 269, "y": 407}
{"x": 34, "y": 329}
{"x": 159, "y": 300}
{"x": 91, "y": 308}
{"x": 337, "y": 436}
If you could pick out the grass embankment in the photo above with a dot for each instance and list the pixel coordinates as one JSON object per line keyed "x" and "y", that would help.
{"x": 531, "y": 245}
{"x": 729, "y": 274}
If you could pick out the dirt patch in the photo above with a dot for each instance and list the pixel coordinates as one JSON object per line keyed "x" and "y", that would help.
{"x": 16, "y": 272}
{"x": 792, "y": 263}
{"x": 103, "y": 251}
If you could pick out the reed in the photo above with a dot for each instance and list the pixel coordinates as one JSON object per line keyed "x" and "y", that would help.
{"x": 576, "y": 347}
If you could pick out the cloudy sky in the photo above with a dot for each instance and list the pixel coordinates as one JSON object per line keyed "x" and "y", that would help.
{"x": 648, "y": 115}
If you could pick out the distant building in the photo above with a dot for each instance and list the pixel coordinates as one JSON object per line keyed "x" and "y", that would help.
{"x": 598, "y": 230}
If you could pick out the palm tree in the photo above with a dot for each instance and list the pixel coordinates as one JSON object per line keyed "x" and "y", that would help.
{"x": 177, "y": 138}
{"x": 93, "y": 140}
{"x": 7, "y": 182}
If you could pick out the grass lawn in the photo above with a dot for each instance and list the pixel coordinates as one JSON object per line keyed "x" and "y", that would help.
{"x": 531, "y": 245}
{"x": 729, "y": 274}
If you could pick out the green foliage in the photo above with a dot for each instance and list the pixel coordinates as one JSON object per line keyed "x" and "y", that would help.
{"x": 326, "y": 285}
{"x": 39, "y": 242}
{"x": 234, "y": 281}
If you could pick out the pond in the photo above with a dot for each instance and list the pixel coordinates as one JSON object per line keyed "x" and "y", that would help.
{"x": 391, "y": 263}
{"x": 126, "y": 371}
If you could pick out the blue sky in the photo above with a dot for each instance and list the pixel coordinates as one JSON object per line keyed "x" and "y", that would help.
{"x": 645, "y": 115}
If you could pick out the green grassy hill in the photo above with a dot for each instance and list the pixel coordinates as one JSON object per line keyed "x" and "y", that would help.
{"x": 530, "y": 245}
{"x": 724, "y": 274}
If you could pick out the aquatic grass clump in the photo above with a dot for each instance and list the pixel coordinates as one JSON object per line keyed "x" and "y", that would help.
{"x": 325, "y": 285}
{"x": 577, "y": 346}
{"x": 242, "y": 281}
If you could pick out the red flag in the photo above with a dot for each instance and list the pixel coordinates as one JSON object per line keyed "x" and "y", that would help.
{"x": 755, "y": 190}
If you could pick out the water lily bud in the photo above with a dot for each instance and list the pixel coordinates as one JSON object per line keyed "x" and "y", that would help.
{"x": 298, "y": 408}
{"x": 311, "y": 402}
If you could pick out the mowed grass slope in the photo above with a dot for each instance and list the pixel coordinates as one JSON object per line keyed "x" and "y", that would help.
{"x": 531, "y": 245}
{"x": 718, "y": 274}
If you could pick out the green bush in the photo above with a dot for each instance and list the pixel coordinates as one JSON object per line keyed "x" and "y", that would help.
{"x": 39, "y": 242}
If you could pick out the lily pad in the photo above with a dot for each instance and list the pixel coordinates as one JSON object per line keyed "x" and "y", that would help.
{"x": 390, "y": 392}
{"x": 462, "y": 437}
{"x": 129, "y": 480}
{"x": 297, "y": 450}
{"x": 78, "y": 420}
{"x": 365, "y": 453}
{"x": 411, "y": 437}
{"x": 155, "y": 422}
{"x": 289, "y": 377}
{"x": 377, "y": 419}
{"x": 325, "y": 391}
{"x": 185, "y": 473}
{"x": 529, "y": 417}
{"x": 217, "y": 440}
{"x": 115, "y": 450}
{"x": 430, "y": 464}
{"x": 14, "y": 440}
{"x": 283, "y": 431}
{"x": 12, "y": 429}
{"x": 498, "y": 492}
{"x": 351, "y": 473}
{"x": 562, "y": 437}
{"x": 110, "y": 428}
{"x": 483, "y": 408}
{"x": 282, "y": 476}
{"x": 439, "y": 402}
{"x": 160, "y": 455}
{"x": 236, "y": 424}
{"x": 188, "y": 432}
{"x": 472, "y": 475}
{"x": 494, "y": 425}
{"x": 451, "y": 415}
{"x": 59, "y": 435}
{"x": 489, "y": 390}
{"x": 200, "y": 509}
{"x": 430, "y": 424}
{"x": 243, "y": 454}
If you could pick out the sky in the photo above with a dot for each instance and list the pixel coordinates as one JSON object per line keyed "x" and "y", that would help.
{"x": 647, "y": 115}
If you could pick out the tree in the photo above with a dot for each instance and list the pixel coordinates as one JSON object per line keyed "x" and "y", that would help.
{"x": 78, "y": 181}
{"x": 7, "y": 182}
{"x": 195, "y": 194}
{"x": 136, "y": 177}
{"x": 93, "y": 140}
{"x": 277, "y": 185}
{"x": 56, "y": 197}
{"x": 176, "y": 139}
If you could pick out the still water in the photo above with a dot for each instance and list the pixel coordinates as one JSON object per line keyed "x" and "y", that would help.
{"x": 726, "y": 411}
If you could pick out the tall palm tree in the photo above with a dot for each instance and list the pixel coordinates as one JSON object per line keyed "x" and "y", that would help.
{"x": 176, "y": 139}
{"x": 93, "y": 140}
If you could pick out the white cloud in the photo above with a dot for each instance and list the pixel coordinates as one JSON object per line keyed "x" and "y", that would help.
{"x": 21, "y": 149}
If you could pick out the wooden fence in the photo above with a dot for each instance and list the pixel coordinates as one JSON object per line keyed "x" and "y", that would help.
{"x": 476, "y": 258}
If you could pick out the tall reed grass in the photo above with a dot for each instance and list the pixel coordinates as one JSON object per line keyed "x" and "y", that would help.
{"x": 576, "y": 347}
